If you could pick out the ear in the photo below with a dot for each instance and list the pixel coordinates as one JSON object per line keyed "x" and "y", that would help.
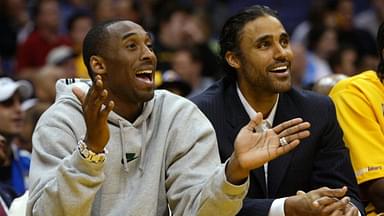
{"x": 232, "y": 60}
{"x": 98, "y": 65}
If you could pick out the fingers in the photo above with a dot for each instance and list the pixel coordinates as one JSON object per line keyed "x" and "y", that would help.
{"x": 337, "y": 193}
{"x": 96, "y": 98}
{"x": 324, "y": 201}
{"x": 104, "y": 113}
{"x": 351, "y": 210}
{"x": 338, "y": 205}
{"x": 337, "y": 212}
{"x": 97, "y": 95}
{"x": 300, "y": 192}
{"x": 297, "y": 136}
{"x": 254, "y": 122}
{"x": 296, "y": 131}
{"x": 287, "y": 124}
{"x": 291, "y": 126}
{"x": 286, "y": 148}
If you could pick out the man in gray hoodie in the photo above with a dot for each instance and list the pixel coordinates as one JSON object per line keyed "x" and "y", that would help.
{"x": 125, "y": 149}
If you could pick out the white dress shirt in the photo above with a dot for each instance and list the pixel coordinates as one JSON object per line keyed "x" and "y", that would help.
{"x": 277, "y": 207}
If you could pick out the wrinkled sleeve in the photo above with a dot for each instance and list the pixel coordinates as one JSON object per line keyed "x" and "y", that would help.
{"x": 195, "y": 180}
{"x": 62, "y": 183}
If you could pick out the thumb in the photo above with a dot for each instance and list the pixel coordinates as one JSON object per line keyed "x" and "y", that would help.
{"x": 80, "y": 94}
{"x": 255, "y": 121}
{"x": 300, "y": 192}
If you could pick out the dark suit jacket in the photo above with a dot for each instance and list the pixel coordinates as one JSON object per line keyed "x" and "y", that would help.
{"x": 320, "y": 160}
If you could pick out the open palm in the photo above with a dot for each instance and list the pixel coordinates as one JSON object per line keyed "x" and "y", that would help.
{"x": 253, "y": 149}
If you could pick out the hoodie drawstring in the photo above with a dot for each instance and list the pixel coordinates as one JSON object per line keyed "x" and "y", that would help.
{"x": 123, "y": 148}
{"x": 143, "y": 147}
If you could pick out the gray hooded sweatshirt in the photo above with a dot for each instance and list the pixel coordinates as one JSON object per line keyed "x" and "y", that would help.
{"x": 173, "y": 161}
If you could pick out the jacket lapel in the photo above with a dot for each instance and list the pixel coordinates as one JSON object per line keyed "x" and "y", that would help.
{"x": 237, "y": 118}
{"x": 286, "y": 110}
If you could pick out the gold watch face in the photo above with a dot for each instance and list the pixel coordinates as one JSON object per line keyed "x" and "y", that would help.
{"x": 89, "y": 155}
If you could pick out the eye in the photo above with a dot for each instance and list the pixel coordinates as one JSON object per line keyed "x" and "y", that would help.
{"x": 284, "y": 42}
{"x": 263, "y": 45}
{"x": 131, "y": 46}
{"x": 150, "y": 46}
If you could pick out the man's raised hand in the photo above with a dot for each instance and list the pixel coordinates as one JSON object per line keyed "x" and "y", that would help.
{"x": 96, "y": 108}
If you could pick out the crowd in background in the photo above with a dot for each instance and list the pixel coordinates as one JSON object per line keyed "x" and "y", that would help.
{"x": 41, "y": 42}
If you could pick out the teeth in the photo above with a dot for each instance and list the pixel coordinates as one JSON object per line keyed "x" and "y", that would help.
{"x": 280, "y": 68}
{"x": 144, "y": 72}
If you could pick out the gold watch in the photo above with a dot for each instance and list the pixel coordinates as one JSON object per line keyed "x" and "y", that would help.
{"x": 89, "y": 155}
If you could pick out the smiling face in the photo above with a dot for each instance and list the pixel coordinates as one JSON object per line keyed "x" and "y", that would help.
{"x": 263, "y": 64}
{"x": 129, "y": 64}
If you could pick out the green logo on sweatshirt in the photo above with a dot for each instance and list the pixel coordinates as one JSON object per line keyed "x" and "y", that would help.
{"x": 129, "y": 157}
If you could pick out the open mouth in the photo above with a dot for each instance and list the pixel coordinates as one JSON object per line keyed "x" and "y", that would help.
{"x": 279, "y": 69}
{"x": 145, "y": 75}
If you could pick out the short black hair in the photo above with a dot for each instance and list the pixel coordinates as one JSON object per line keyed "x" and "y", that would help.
{"x": 380, "y": 47}
{"x": 232, "y": 29}
{"x": 95, "y": 42}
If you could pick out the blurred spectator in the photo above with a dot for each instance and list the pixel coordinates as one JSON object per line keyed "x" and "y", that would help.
{"x": 14, "y": 172}
{"x": 188, "y": 64}
{"x": 128, "y": 9}
{"x": 63, "y": 57}
{"x": 325, "y": 84}
{"x": 45, "y": 82}
{"x": 102, "y": 10}
{"x": 344, "y": 61}
{"x": 78, "y": 26}
{"x": 349, "y": 34}
{"x": 198, "y": 33}
{"x": 33, "y": 52}
{"x": 299, "y": 64}
{"x": 169, "y": 32}
{"x": 172, "y": 82}
{"x": 68, "y": 8}
{"x": 33, "y": 110}
{"x": 13, "y": 17}
{"x": 318, "y": 15}
{"x": 322, "y": 43}
{"x": 370, "y": 19}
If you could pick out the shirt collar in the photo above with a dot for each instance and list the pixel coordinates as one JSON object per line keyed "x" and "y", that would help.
{"x": 267, "y": 122}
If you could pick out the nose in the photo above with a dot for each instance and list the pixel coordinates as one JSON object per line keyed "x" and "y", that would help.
{"x": 17, "y": 105}
{"x": 280, "y": 52}
{"x": 147, "y": 54}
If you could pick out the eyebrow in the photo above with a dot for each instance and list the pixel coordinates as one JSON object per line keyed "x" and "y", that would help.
{"x": 285, "y": 34}
{"x": 262, "y": 38}
{"x": 130, "y": 34}
{"x": 265, "y": 37}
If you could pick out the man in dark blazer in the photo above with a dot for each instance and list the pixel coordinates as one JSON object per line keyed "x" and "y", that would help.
{"x": 257, "y": 58}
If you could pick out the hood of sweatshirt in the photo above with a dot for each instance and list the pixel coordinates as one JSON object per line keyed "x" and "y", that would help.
{"x": 64, "y": 92}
